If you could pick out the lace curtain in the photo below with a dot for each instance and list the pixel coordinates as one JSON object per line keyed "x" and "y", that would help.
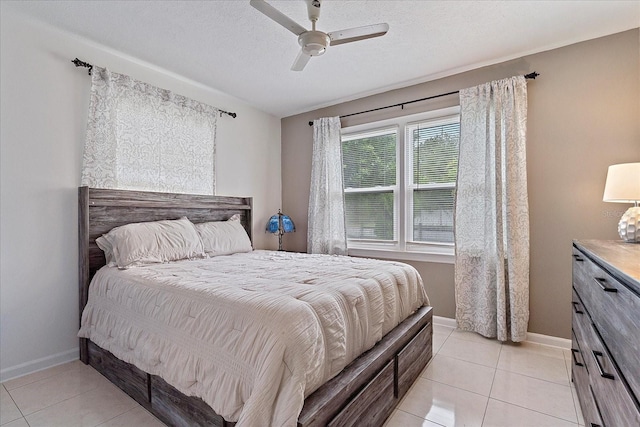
{"x": 492, "y": 213}
{"x": 140, "y": 137}
{"x": 327, "y": 233}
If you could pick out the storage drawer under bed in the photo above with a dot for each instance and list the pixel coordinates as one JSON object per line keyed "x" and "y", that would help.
{"x": 363, "y": 409}
{"x": 412, "y": 359}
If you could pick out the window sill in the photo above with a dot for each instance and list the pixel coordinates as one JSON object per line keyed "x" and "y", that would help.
{"x": 444, "y": 256}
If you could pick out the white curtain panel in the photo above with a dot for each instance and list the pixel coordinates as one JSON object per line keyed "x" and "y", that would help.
{"x": 141, "y": 137}
{"x": 327, "y": 233}
{"x": 492, "y": 211}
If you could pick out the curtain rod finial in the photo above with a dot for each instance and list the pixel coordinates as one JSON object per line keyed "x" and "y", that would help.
{"x": 79, "y": 63}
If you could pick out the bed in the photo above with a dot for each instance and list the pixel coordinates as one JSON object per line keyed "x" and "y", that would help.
{"x": 364, "y": 392}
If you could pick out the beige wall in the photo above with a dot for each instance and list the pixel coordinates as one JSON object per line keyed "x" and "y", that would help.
{"x": 584, "y": 114}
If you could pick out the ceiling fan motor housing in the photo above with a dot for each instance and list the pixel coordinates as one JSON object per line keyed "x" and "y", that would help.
{"x": 314, "y": 43}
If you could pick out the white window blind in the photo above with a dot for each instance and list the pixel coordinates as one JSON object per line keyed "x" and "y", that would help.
{"x": 433, "y": 153}
{"x": 370, "y": 182}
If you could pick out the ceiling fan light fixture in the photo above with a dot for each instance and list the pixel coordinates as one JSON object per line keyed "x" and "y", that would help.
{"x": 314, "y": 49}
{"x": 314, "y": 43}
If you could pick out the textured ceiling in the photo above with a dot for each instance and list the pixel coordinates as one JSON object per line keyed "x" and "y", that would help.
{"x": 231, "y": 47}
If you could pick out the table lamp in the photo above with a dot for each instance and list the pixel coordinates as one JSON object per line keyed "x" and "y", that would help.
{"x": 280, "y": 224}
{"x": 623, "y": 186}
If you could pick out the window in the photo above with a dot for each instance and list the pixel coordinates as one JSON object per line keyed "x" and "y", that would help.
{"x": 370, "y": 190}
{"x": 399, "y": 186}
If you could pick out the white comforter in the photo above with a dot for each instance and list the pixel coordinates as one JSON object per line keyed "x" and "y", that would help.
{"x": 251, "y": 334}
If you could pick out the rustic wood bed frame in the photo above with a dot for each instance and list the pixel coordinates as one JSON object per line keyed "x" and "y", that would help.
{"x": 364, "y": 393}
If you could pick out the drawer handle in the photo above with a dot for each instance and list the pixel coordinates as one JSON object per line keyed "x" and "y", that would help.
{"x": 575, "y": 307}
{"x": 595, "y": 425}
{"x": 574, "y": 351}
{"x": 602, "y": 282}
{"x": 577, "y": 258}
{"x": 597, "y": 355}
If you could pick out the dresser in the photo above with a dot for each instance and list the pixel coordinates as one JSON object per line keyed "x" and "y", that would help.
{"x": 606, "y": 331}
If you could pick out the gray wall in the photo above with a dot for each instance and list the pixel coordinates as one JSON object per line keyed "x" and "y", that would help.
{"x": 584, "y": 115}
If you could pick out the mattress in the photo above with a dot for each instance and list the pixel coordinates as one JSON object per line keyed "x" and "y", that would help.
{"x": 251, "y": 334}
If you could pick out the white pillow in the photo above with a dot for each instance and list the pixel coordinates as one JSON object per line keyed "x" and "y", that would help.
{"x": 224, "y": 237}
{"x": 106, "y": 247}
{"x": 151, "y": 242}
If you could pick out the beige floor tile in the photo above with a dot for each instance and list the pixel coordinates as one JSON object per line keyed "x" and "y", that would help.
{"x": 40, "y": 375}
{"x": 535, "y": 365}
{"x": 87, "y": 409}
{"x": 20, "y": 422}
{"x": 8, "y": 409}
{"x": 534, "y": 348}
{"x": 438, "y": 340}
{"x": 459, "y": 373}
{"x": 137, "y": 417}
{"x": 501, "y": 414}
{"x": 531, "y": 393}
{"x": 41, "y": 394}
{"x": 404, "y": 419}
{"x": 471, "y": 351}
{"x": 443, "y": 404}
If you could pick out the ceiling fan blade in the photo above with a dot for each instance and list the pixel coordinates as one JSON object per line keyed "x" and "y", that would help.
{"x": 359, "y": 33}
{"x": 301, "y": 61}
{"x": 278, "y": 16}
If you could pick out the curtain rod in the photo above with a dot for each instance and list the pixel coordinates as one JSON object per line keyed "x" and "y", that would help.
{"x": 79, "y": 63}
{"x": 532, "y": 76}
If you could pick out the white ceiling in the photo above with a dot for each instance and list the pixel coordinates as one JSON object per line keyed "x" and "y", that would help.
{"x": 231, "y": 47}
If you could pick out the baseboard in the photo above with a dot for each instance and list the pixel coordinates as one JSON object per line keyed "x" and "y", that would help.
{"x": 531, "y": 336}
{"x": 549, "y": 340}
{"x": 445, "y": 321}
{"x": 38, "y": 364}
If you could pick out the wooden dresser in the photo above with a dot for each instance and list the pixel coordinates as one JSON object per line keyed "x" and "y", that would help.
{"x": 606, "y": 331}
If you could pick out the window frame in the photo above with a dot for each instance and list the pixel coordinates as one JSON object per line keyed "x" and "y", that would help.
{"x": 402, "y": 247}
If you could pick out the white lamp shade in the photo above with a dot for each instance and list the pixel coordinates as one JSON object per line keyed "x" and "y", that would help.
{"x": 623, "y": 183}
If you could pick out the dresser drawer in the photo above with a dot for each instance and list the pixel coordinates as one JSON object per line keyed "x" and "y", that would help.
{"x": 613, "y": 401}
{"x": 615, "y": 310}
{"x": 580, "y": 378}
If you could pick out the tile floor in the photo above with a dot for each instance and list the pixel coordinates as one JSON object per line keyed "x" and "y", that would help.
{"x": 471, "y": 381}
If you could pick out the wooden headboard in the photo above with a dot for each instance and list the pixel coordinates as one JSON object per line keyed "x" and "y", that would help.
{"x": 100, "y": 210}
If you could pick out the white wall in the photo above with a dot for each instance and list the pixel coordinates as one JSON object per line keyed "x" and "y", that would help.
{"x": 44, "y": 101}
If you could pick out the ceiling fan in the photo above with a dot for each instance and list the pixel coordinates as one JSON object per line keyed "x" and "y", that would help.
{"x": 313, "y": 42}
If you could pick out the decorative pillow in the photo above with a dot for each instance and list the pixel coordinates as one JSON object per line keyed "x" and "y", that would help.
{"x": 151, "y": 242}
{"x": 224, "y": 237}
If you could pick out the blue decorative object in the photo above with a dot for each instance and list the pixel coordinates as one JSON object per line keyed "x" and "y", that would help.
{"x": 280, "y": 224}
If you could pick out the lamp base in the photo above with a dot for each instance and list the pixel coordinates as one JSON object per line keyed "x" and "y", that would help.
{"x": 629, "y": 225}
